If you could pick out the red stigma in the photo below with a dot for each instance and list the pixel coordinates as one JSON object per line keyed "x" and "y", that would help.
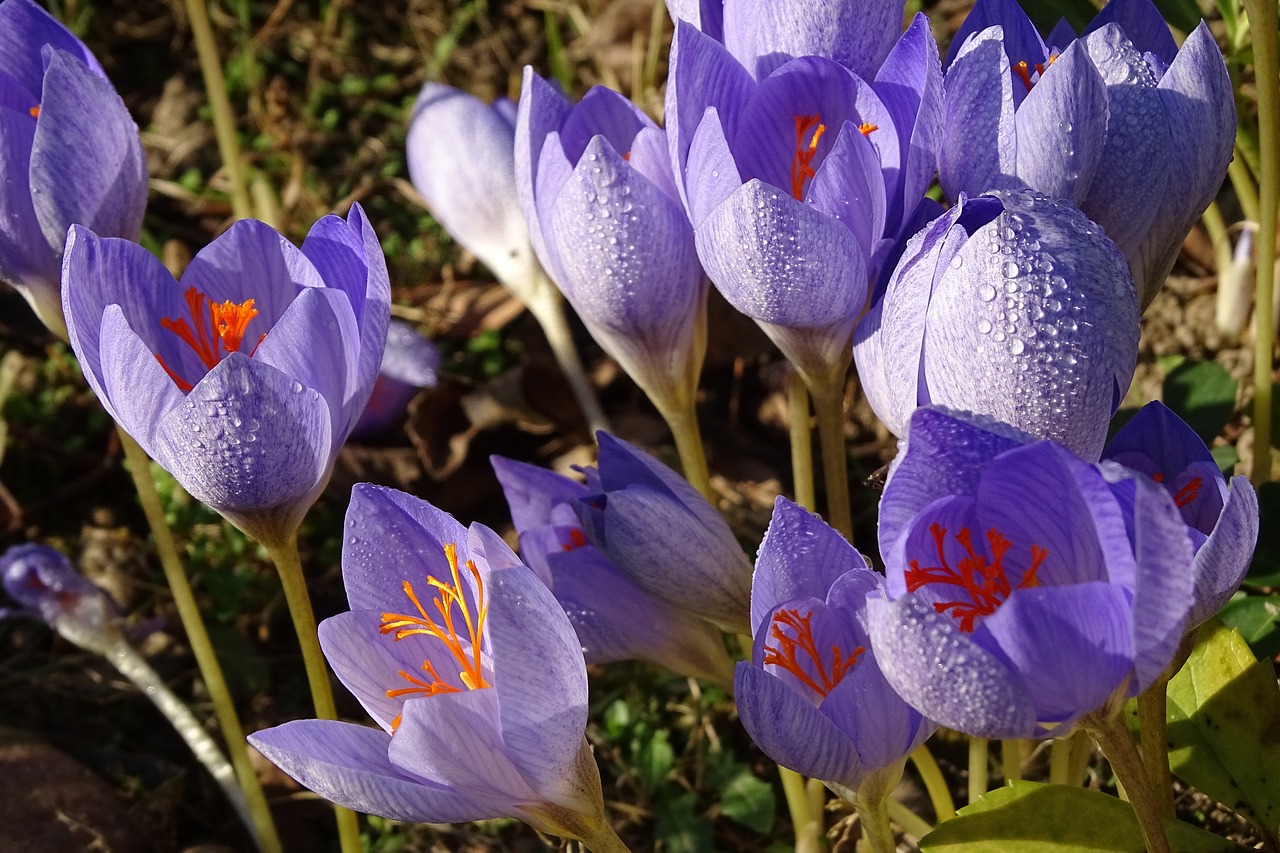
{"x": 984, "y": 581}
{"x": 802, "y": 162}
{"x": 787, "y": 649}
{"x": 576, "y": 540}
{"x": 34, "y": 112}
{"x": 1188, "y": 493}
{"x": 215, "y": 330}
{"x": 1024, "y": 74}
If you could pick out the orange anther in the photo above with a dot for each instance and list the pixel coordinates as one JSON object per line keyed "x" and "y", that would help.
{"x": 867, "y": 128}
{"x": 215, "y": 330}
{"x": 802, "y": 162}
{"x": 1021, "y": 69}
{"x": 34, "y": 111}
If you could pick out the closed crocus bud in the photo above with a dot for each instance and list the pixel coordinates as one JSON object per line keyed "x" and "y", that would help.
{"x": 664, "y": 536}
{"x": 597, "y": 190}
{"x": 1011, "y": 305}
{"x": 70, "y": 154}
{"x": 1033, "y": 588}
{"x": 47, "y": 586}
{"x": 471, "y": 672}
{"x": 409, "y": 364}
{"x": 812, "y": 695}
{"x": 798, "y": 184}
{"x": 1099, "y": 120}
{"x": 243, "y": 379}
{"x": 614, "y": 618}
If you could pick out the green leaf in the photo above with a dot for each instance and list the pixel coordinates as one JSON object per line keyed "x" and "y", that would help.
{"x": 749, "y": 800}
{"x": 1045, "y": 14}
{"x": 1183, "y": 14}
{"x": 655, "y": 758}
{"x": 1226, "y": 458}
{"x": 1265, "y": 569}
{"x": 1056, "y": 819}
{"x": 679, "y": 829}
{"x": 1224, "y": 724}
{"x": 1257, "y": 618}
{"x": 1202, "y": 394}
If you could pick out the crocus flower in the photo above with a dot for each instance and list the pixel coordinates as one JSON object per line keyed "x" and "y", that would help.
{"x": 613, "y": 617}
{"x": 664, "y": 536}
{"x": 799, "y": 184}
{"x": 1010, "y": 305}
{"x": 763, "y": 36}
{"x": 1222, "y": 521}
{"x": 468, "y": 666}
{"x": 1035, "y": 589}
{"x": 69, "y": 149}
{"x": 604, "y": 214}
{"x": 812, "y": 696}
{"x": 1099, "y": 120}
{"x": 409, "y": 364}
{"x": 48, "y": 587}
{"x": 244, "y": 379}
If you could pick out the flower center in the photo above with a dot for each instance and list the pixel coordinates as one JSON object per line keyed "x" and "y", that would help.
{"x": 215, "y": 330}
{"x": 793, "y": 638}
{"x": 443, "y": 626}
{"x": 983, "y": 580}
{"x": 1186, "y": 495}
{"x": 1024, "y": 71}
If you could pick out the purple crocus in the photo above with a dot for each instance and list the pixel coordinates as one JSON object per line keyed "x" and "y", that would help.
{"x": 48, "y": 587}
{"x": 409, "y": 364}
{"x": 605, "y": 218}
{"x": 69, "y": 151}
{"x": 763, "y": 36}
{"x": 1024, "y": 589}
{"x": 468, "y": 666}
{"x": 812, "y": 696}
{"x": 799, "y": 184}
{"x": 1101, "y": 120}
{"x": 1222, "y": 522}
{"x": 244, "y": 379}
{"x": 664, "y": 536}
{"x": 1010, "y": 305}
{"x": 614, "y": 618}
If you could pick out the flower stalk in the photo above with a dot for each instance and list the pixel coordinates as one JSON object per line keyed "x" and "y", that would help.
{"x": 944, "y": 807}
{"x": 201, "y": 647}
{"x": 828, "y": 402}
{"x": 801, "y": 441}
{"x": 1114, "y": 740}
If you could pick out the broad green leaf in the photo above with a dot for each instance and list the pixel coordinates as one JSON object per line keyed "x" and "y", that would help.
{"x": 1202, "y": 394}
{"x": 654, "y": 758}
{"x": 1224, "y": 724}
{"x": 749, "y": 800}
{"x": 680, "y": 829}
{"x": 1265, "y": 569}
{"x": 1057, "y": 819}
{"x": 1257, "y": 618}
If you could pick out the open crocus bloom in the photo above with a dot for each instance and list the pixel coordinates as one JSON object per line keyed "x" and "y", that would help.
{"x": 1222, "y": 522}
{"x": 1100, "y": 120}
{"x": 799, "y": 184}
{"x": 614, "y": 618}
{"x": 244, "y": 379}
{"x": 1011, "y": 305}
{"x": 468, "y": 666}
{"x": 812, "y": 696}
{"x": 1025, "y": 589}
{"x": 69, "y": 149}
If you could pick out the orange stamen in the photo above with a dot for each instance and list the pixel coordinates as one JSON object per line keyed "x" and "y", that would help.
{"x": 1023, "y": 72}
{"x": 34, "y": 111}
{"x": 867, "y": 128}
{"x": 802, "y": 163}
{"x": 211, "y": 323}
{"x": 984, "y": 581}
{"x": 784, "y": 653}
{"x": 441, "y": 626}
{"x": 1188, "y": 493}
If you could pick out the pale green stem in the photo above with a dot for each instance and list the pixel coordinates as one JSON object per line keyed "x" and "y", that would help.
{"x": 808, "y": 830}
{"x": 801, "y": 440}
{"x": 874, "y": 812}
{"x": 978, "y": 756}
{"x": 1153, "y": 726}
{"x": 682, "y": 420}
{"x": 1112, "y": 736}
{"x": 1246, "y": 190}
{"x": 547, "y": 307}
{"x": 828, "y": 402}
{"x": 1263, "y": 25}
{"x": 944, "y": 807}
{"x": 1060, "y": 753}
{"x": 1011, "y": 752}
{"x": 224, "y": 122}
{"x": 206, "y": 659}
{"x": 288, "y": 564}
{"x": 1081, "y": 754}
{"x": 911, "y": 823}
{"x": 606, "y": 841}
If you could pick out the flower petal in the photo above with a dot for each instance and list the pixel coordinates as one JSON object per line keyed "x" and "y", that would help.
{"x": 1022, "y": 42}
{"x": 348, "y": 764}
{"x": 131, "y": 375}
{"x": 857, "y": 35}
{"x": 87, "y": 165}
{"x": 712, "y": 175}
{"x": 390, "y": 537}
{"x": 1223, "y": 560}
{"x": 978, "y": 151}
{"x": 883, "y": 728}
{"x": 25, "y": 257}
{"x": 1141, "y": 23}
{"x": 24, "y": 29}
{"x": 790, "y": 730}
{"x": 542, "y": 110}
{"x": 944, "y": 674}
{"x": 531, "y": 491}
{"x": 849, "y": 186}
